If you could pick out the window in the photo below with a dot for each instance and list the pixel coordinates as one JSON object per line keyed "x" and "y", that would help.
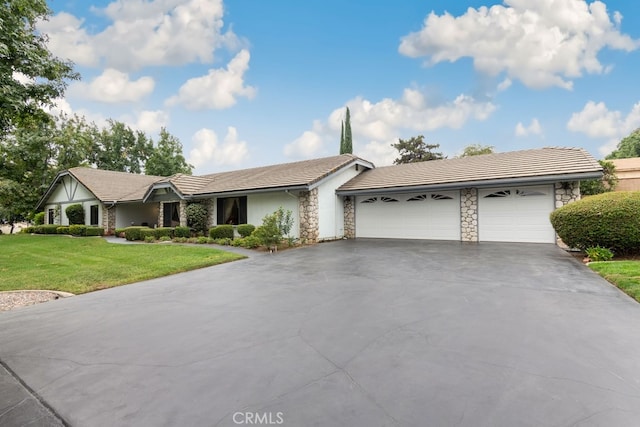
{"x": 370, "y": 200}
{"x": 52, "y": 216}
{"x": 441, "y": 197}
{"x": 418, "y": 198}
{"x": 526, "y": 193}
{"x": 94, "y": 215}
{"x": 171, "y": 214}
{"x": 388, "y": 199}
{"x": 232, "y": 210}
{"x": 502, "y": 193}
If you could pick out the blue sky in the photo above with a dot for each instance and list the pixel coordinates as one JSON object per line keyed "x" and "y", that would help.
{"x": 247, "y": 83}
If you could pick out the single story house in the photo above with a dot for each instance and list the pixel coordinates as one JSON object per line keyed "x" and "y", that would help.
{"x": 495, "y": 197}
{"x": 628, "y": 173}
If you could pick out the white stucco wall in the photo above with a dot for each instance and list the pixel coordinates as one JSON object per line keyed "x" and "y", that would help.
{"x": 331, "y": 207}
{"x": 128, "y": 214}
{"x": 261, "y": 204}
{"x": 71, "y": 192}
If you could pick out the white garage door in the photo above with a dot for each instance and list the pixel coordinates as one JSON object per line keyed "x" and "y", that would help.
{"x": 409, "y": 216}
{"x": 516, "y": 214}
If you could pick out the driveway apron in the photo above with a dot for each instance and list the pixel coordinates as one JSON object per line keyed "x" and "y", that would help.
{"x": 347, "y": 333}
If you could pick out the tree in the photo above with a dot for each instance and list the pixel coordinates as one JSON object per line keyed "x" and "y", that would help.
{"x": 627, "y": 147}
{"x": 597, "y": 186}
{"x": 166, "y": 158}
{"x": 118, "y": 148}
{"x": 346, "y": 140}
{"x": 476, "y": 150}
{"x": 30, "y": 76}
{"x": 342, "y": 137}
{"x": 415, "y": 150}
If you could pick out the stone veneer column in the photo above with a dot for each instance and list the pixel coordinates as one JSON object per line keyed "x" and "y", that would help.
{"x": 109, "y": 219}
{"x": 567, "y": 192}
{"x": 309, "y": 227}
{"x": 210, "y": 204}
{"x": 469, "y": 215}
{"x": 160, "y": 221}
{"x": 349, "y": 217}
{"x": 183, "y": 213}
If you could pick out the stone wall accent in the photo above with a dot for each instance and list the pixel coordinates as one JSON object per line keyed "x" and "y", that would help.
{"x": 183, "y": 213}
{"x": 349, "y": 217}
{"x": 566, "y": 192}
{"x": 109, "y": 219}
{"x": 160, "y": 214}
{"x": 469, "y": 214}
{"x": 309, "y": 224}
{"x": 210, "y": 204}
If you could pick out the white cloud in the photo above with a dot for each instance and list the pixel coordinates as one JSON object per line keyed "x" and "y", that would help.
{"x": 219, "y": 89}
{"x": 597, "y": 121}
{"x": 209, "y": 152}
{"x": 377, "y": 125}
{"x": 541, "y": 43}
{"x": 143, "y": 33}
{"x": 533, "y": 129}
{"x": 151, "y": 122}
{"x": 113, "y": 86}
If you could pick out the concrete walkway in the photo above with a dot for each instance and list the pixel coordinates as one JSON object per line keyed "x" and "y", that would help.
{"x": 350, "y": 333}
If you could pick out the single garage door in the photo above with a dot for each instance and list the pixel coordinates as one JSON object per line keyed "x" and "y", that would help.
{"x": 409, "y": 216}
{"x": 516, "y": 214}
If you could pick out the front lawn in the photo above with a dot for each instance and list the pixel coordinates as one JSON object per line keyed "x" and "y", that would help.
{"x": 86, "y": 264}
{"x": 624, "y": 274}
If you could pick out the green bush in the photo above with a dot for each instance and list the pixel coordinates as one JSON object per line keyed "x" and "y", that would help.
{"x": 197, "y": 216}
{"x": 77, "y": 230}
{"x": 75, "y": 213}
{"x": 28, "y": 230}
{"x": 608, "y": 220}
{"x": 62, "y": 229}
{"x": 224, "y": 231}
{"x": 599, "y": 254}
{"x": 182, "y": 232}
{"x": 120, "y": 232}
{"x": 149, "y": 239}
{"x": 163, "y": 232}
{"x": 164, "y": 239}
{"x": 245, "y": 230}
{"x": 94, "y": 231}
{"x": 249, "y": 242}
{"x": 47, "y": 229}
{"x": 225, "y": 241}
{"x": 180, "y": 239}
{"x": 147, "y": 232}
{"x": 135, "y": 233}
{"x": 38, "y": 219}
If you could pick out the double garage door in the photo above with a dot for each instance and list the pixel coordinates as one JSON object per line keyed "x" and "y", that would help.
{"x": 510, "y": 214}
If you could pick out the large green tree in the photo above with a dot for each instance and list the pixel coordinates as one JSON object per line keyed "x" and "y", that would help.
{"x": 31, "y": 77}
{"x": 346, "y": 139}
{"x": 117, "y": 147}
{"x": 476, "y": 150}
{"x": 627, "y": 147}
{"x": 415, "y": 150}
{"x": 166, "y": 158}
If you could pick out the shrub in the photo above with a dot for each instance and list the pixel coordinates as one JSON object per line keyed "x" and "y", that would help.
{"x": 599, "y": 254}
{"x": 94, "y": 231}
{"x": 249, "y": 242}
{"x": 28, "y": 230}
{"x": 62, "y": 229}
{"x": 224, "y": 231}
{"x": 149, "y": 239}
{"x": 75, "y": 213}
{"x": 225, "y": 241}
{"x": 608, "y": 220}
{"x": 197, "y": 216}
{"x": 46, "y": 229}
{"x": 38, "y": 219}
{"x": 202, "y": 240}
{"x": 245, "y": 230}
{"x": 163, "y": 232}
{"x": 77, "y": 230}
{"x": 164, "y": 239}
{"x": 120, "y": 232}
{"x": 179, "y": 239}
{"x": 182, "y": 232}
{"x": 135, "y": 232}
{"x": 147, "y": 232}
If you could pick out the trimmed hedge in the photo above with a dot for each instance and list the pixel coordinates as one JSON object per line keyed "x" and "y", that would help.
{"x": 224, "y": 231}
{"x": 135, "y": 232}
{"x": 163, "y": 232}
{"x": 245, "y": 230}
{"x": 94, "y": 231}
{"x": 75, "y": 213}
{"x": 63, "y": 229}
{"x": 182, "y": 232}
{"x": 77, "y": 230}
{"x": 608, "y": 220}
{"x": 47, "y": 229}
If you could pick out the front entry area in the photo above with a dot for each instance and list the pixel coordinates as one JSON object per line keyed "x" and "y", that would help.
{"x": 425, "y": 215}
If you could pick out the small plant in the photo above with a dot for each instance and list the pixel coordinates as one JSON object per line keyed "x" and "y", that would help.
{"x": 180, "y": 239}
{"x": 599, "y": 253}
{"x": 202, "y": 240}
{"x": 245, "y": 230}
{"x": 224, "y": 231}
{"x": 182, "y": 232}
{"x": 225, "y": 241}
{"x": 149, "y": 239}
{"x": 75, "y": 213}
{"x": 164, "y": 239}
{"x": 38, "y": 219}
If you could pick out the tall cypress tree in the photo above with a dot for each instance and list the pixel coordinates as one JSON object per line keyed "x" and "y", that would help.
{"x": 347, "y": 147}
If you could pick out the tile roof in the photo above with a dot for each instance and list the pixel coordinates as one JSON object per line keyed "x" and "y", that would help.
{"x": 295, "y": 174}
{"x": 536, "y": 163}
{"x": 110, "y": 185}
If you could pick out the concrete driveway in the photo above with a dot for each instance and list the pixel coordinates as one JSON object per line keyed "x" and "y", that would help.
{"x": 349, "y": 333}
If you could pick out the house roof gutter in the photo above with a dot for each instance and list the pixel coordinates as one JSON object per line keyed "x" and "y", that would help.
{"x": 475, "y": 184}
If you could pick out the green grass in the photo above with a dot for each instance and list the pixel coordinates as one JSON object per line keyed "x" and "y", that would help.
{"x": 80, "y": 265}
{"x": 624, "y": 274}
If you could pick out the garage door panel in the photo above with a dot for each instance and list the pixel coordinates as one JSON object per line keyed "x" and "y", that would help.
{"x": 516, "y": 214}
{"x": 410, "y": 216}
